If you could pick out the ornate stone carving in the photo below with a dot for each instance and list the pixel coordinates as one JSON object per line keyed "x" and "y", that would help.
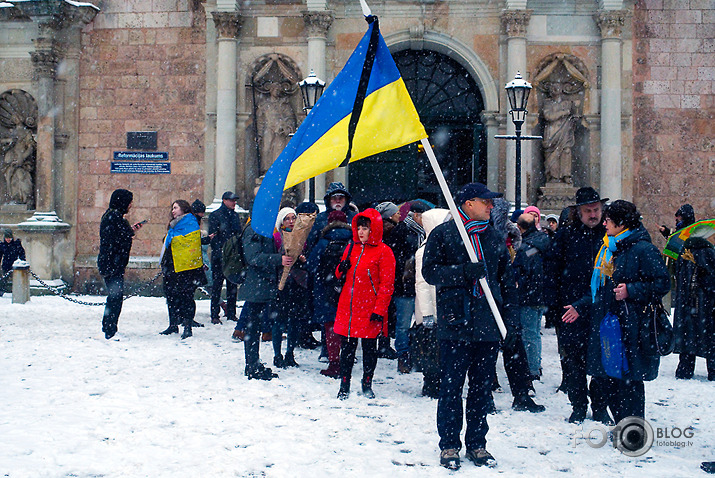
{"x": 18, "y": 123}
{"x": 318, "y": 22}
{"x": 275, "y": 81}
{"x": 45, "y": 61}
{"x": 515, "y": 22}
{"x": 561, "y": 85}
{"x": 228, "y": 24}
{"x": 611, "y": 22}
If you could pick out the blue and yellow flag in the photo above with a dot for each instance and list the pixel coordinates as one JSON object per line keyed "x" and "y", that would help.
{"x": 366, "y": 110}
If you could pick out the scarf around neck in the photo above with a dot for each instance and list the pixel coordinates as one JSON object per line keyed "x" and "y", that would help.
{"x": 603, "y": 267}
{"x": 416, "y": 228}
{"x": 474, "y": 228}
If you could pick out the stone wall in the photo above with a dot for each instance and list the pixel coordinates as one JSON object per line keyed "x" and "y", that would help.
{"x": 673, "y": 106}
{"x": 142, "y": 69}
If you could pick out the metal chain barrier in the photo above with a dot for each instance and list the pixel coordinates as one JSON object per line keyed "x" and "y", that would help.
{"x": 55, "y": 290}
{"x": 2, "y": 279}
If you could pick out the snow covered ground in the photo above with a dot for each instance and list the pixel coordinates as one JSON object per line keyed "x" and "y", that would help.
{"x": 142, "y": 404}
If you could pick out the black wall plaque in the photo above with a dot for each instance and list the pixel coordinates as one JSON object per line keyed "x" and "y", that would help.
{"x": 145, "y": 140}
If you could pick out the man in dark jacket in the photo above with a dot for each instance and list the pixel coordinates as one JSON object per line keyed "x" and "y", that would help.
{"x": 404, "y": 240}
{"x": 223, "y": 223}
{"x": 530, "y": 276}
{"x": 336, "y": 198}
{"x": 259, "y": 290}
{"x": 467, "y": 332}
{"x": 571, "y": 260}
{"x": 115, "y": 243}
{"x": 694, "y": 317}
{"x": 10, "y": 250}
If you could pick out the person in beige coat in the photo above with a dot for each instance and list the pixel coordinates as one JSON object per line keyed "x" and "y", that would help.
{"x": 426, "y": 346}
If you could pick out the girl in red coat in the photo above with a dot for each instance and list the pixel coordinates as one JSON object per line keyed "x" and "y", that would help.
{"x": 369, "y": 269}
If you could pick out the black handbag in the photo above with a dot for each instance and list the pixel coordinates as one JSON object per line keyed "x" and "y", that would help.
{"x": 659, "y": 338}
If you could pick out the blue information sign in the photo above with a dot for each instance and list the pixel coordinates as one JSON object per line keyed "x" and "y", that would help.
{"x": 141, "y": 155}
{"x": 141, "y": 167}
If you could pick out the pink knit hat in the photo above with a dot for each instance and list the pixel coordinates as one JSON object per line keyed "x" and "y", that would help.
{"x": 535, "y": 209}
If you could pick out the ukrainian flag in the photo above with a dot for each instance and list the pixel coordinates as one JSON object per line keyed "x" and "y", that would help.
{"x": 366, "y": 110}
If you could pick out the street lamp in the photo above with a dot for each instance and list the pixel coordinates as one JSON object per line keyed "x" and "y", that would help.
{"x": 312, "y": 89}
{"x": 517, "y": 90}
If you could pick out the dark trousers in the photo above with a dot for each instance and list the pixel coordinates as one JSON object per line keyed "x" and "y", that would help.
{"x": 218, "y": 278}
{"x": 251, "y": 315}
{"x": 284, "y": 319}
{"x": 686, "y": 367}
{"x": 348, "y": 346}
{"x": 475, "y": 361}
{"x": 179, "y": 295}
{"x": 517, "y": 369}
{"x": 625, "y": 398}
{"x": 113, "y": 307}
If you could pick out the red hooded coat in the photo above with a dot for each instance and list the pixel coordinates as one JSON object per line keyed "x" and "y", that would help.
{"x": 369, "y": 283}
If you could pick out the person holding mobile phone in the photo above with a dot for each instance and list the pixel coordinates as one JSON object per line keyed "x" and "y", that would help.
{"x": 115, "y": 244}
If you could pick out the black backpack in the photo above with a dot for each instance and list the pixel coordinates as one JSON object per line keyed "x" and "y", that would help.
{"x": 233, "y": 263}
{"x": 329, "y": 261}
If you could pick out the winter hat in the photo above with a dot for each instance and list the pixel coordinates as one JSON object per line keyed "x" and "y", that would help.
{"x": 7, "y": 234}
{"x": 419, "y": 207}
{"x": 535, "y": 209}
{"x": 282, "y": 215}
{"x": 339, "y": 216}
{"x": 120, "y": 200}
{"x": 335, "y": 189}
{"x": 306, "y": 208}
{"x": 387, "y": 209}
{"x": 515, "y": 215}
{"x": 229, "y": 195}
{"x": 197, "y": 207}
{"x": 531, "y": 209}
{"x": 552, "y": 216}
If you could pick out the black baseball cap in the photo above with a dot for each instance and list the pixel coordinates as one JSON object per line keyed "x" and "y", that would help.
{"x": 229, "y": 195}
{"x": 475, "y": 190}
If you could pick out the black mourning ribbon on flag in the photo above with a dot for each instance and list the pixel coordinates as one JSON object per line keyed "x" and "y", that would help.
{"x": 362, "y": 85}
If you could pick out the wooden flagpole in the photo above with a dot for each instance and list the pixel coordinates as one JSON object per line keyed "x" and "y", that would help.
{"x": 463, "y": 232}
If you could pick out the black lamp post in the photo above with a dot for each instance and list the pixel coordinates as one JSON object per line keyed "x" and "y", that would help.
{"x": 517, "y": 90}
{"x": 312, "y": 89}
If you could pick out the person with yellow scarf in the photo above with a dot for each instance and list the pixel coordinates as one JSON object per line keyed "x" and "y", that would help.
{"x": 628, "y": 275}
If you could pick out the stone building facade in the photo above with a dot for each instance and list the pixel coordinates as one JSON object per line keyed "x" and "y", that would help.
{"x": 622, "y": 94}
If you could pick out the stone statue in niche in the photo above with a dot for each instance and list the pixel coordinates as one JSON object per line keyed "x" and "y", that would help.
{"x": 562, "y": 86}
{"x": 275, "y": 83}
{"x": 18, "y": 123}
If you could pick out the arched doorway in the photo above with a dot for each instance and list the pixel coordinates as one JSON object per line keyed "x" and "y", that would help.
{"x": 449, "y": 104}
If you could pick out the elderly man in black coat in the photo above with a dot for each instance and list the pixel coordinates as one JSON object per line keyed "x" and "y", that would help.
{"x": 115, "y": 243}
{"x": 571, "y": 260}
{"x": 466, "y": 330}
{"x": 223, "y": 223}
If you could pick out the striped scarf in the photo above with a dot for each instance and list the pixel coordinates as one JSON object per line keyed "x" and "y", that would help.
{"x": 416, "y": 228}
{"x": 474, "y": 228}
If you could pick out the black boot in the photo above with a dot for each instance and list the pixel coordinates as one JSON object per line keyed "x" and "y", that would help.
{"x": 526, "y": 404}
{"x": 367, "y": 387}
{"x": 578, "y": 415}
{"x": 289, "y": 360}
{"x": 173, "y": 329}
{"x": 384, "y": 350}
{"x": 187, "y": 330}
{"x": 344, "y": 391}
{"x": 196, "y": 324}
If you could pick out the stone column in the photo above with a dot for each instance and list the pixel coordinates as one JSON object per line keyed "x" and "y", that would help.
{"x": 491, "y": 123}
{"x": 45, "y": 59}
{"x": 515, "y": 23}
{"x": 611, "y": 24}
{"x": 228, "y": 28}
{"x": 317, "y": 24}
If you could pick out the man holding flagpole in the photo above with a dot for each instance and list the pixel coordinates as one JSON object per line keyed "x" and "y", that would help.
{"x": 466, "y": 329}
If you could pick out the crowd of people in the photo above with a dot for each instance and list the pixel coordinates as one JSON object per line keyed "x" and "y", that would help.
{"x": 404, "y": 272}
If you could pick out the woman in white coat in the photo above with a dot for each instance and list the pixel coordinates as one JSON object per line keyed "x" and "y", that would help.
{"x": 426, "y": 347}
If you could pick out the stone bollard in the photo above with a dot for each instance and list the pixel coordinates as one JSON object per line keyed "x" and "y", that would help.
{"x": 20, "y": 282}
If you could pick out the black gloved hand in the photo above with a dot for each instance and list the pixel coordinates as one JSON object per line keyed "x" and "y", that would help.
{"x": 376, "y": 317}
{"x": 344, "y": 266}
{"x": 474, "y": 271}
{"x": 510, "y": 341}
